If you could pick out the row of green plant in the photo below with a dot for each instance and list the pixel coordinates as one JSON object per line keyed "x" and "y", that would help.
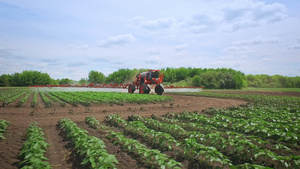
{"x": 34, "y": 100}
{"x": 191, "y": 145}
{"x": 33, "y": 149}
{"x": 6, "y": 93}
{"x": 3, "y": 127}
{"x": 24, "y": 99}
{"x": 55, "y": 99}
{"x": 86, "y": 98}
{"x": 76, "y": 98}
{"x": 150, "y": 157}
{"x": 14, "y": 95}
{"x": 269, "y": 117}
{"x": 255, "y": 126}
{"x": 206, "y": 129}
{"x": 71, "y": 99}
{"x": 137, "y": 129}
{"x": 46, "y": 100}
{"x": 238, "y": 147}
{"x": 199, "y": 152}
{"x": 91, "y": 149}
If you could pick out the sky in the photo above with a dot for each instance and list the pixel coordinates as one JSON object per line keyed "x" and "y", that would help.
{"x": 68, "y": 39}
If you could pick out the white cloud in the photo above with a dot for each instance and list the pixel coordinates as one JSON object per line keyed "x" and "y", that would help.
{"x": 154, "y": 52}
{"x": 79, "y": 47}
{"x": 233, "y": 49}
{"x": 257, "y": 41}
{"x": 117, "y": 40}
{"x": 77, "y": 64}
{"x": 153, "y": 25}
{"x": 296, "y": 46}
{"x": 243, "y": 14}
{"x": 216, "y": 33}
{"x": 161, "y": 23}
{"x": 235, "y": 64}
{"x": 181, "y": 47}
{"x": 266, "y": 59}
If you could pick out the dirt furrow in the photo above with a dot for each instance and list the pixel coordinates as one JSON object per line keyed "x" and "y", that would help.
{"x": 10, "y": 147}
{"x": 56, "y": 151}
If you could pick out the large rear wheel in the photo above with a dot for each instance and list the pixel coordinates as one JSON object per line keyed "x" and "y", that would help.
{"x": 148, "y": 89}
{"x": 131, "y": 88}
{"x": 144, "y": 89}
{"x": 159, "y": 89}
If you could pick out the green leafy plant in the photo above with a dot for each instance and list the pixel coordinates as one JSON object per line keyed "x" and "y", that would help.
{"x": 46, "y": 100}
{"x": 24, "y": 99}
{"x": 34, "y": 100}
{"x": 91, "y": 149}
{"x": 3, "y": 127}
{"x": 32, "y": 152}
{"x": 152, "y": 158}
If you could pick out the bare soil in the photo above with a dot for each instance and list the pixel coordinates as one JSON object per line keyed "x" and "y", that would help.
{"x": 59, "y": 154}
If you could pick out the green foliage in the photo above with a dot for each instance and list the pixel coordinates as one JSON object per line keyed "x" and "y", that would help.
{"x": 34, "y": 100}
{"x": 187, "y": 141}
{"x": 150, "y": 157}
{"x": 6, "y": 80}
{"x": 275, "y": 81}
{"x": 83, "y": 81}
{"x": 46, "y": 100}
{"x": 3, "y": 126}
{"x": 65, "y": 81}
{"x": 137, "y": 129}
{"x": 91, "y": 149}
{"x": 32, "y": 152}
{"x": 10, "y": 95}
{"x": 196, "y": 81}
{"x": 26, "y": 78}
{"x": 123, "y": 76}
{"x": 24, "y": 99}
{"x": 96, "y": 77}
{"x": 86, "y": 98}
{"x": 262, "y": 132}
{"x": 209, "y": 78}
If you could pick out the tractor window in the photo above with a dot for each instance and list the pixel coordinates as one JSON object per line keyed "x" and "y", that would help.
{"x": 154, "y": 74}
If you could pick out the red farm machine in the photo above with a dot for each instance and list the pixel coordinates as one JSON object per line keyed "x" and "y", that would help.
{"x": 143, "y": 82}
{"x": 147, "y": 80}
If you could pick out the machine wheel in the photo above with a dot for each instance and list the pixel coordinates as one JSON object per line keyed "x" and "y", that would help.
{"x": 131, "y": 88}
{"x": 159, "y": 89}
{"x": 143, "y": 89}
{"x": 148, "y": 89}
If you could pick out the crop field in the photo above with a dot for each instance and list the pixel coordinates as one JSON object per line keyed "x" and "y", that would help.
{"x": 56, "y": 129}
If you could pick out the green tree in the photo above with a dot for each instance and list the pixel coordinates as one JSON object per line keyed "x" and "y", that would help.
{"x": 96, "y": 77}
{"x": 196, "y": 81}
{"x": 83, "y": 81}
{"x": 181, "y": 73}
{"x": 123, "y": 76}
{"x": 209, "y": 80}
{"x": 65, "y": 81}
{"x": 169, "y": 74}
{"x": 5, "y": 80}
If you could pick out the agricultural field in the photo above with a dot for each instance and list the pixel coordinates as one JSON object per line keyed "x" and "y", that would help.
{"x": 55, "y": 129}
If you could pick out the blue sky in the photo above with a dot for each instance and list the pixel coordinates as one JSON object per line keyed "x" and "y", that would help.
{"x": 67, "y": 39}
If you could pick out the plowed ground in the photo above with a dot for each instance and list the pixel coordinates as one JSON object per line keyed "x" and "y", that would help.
{"x": 60, "y": 156}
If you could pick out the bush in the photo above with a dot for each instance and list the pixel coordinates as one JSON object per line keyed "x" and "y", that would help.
{"x": 196, "y": 81}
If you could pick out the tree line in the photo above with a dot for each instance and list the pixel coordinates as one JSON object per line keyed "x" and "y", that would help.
{"x": 221, "y": 78}
{"x": 275, "y": 81}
